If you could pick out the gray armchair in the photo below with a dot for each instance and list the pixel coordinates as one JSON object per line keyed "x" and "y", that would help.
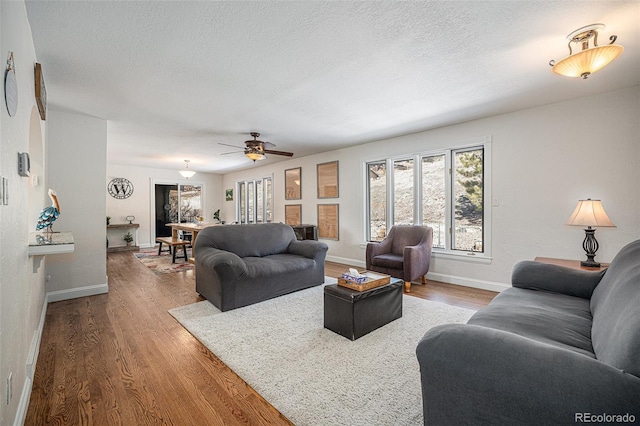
{"x": 405, "y": 253}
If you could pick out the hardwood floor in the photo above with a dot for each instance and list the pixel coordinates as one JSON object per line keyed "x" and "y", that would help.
{"x": 120, "y": 358}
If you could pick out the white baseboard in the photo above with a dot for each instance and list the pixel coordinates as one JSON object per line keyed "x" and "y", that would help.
{"x": 23, "y": 405}
{"x": 34, "y": 350}
{"x": 467, "y": 282}
{"x": 346, "y": 261}
{"x": 449, "y": 279}
{"x": 73, "y": 293}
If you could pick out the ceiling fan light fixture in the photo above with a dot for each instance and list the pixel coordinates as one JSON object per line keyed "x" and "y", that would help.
{"x": 255, "y": 155}
{"x": 186, "y": 173}
{"x": 589, "y": 59}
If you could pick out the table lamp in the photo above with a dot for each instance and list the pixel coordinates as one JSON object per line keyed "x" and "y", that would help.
{"x": 590, "y": 213}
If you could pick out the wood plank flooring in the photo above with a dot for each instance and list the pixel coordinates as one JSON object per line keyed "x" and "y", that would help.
{"x": 121, "y": 359}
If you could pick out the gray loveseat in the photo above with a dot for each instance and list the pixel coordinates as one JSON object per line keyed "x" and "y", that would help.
{"x": 560, "y": 347}
{"x": 238, "y": 265}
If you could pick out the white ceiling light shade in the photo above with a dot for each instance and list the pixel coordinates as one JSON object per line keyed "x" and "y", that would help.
{"x": 186, "y": 173}
{"x": 589, "y": 59}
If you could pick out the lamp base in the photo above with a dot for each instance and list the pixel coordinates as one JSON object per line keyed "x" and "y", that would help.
{"x": 590, "y": 246}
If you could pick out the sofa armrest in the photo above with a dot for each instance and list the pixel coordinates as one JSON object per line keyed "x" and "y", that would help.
{"x": 558, "y": 279}
{"x": 478, "y": 375}
{"x": 222, "y": 263}
{"x": 310, "y": 249}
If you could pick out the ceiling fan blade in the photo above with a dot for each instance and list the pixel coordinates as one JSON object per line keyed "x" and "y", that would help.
{"x": 268, "y": 145}
{"x": 286, "y": 154}
{"x": 226, "y": 144}
{"x": 232, "y": 152}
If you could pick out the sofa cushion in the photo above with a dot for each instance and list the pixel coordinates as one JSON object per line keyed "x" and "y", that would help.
{"x": 250, "y": 240}
{"x": 552, "y": 318}
{"x": 276, "y": 264}
{"x": 388, "y": 260}
{"x": 615, "y": 306}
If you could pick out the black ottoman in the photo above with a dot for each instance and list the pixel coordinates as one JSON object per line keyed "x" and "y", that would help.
{"x": 353, "y": 314}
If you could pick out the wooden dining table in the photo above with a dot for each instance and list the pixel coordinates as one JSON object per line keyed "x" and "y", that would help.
{"x": 194, "y": 228}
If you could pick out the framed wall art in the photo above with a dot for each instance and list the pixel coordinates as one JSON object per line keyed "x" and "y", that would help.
{"x": 292, "y": 184}
{"x": 328, "y": 225}
{"x": 328, "y": 186}
{"x": 228, "y": 194}
{"x": 293, "y": 214}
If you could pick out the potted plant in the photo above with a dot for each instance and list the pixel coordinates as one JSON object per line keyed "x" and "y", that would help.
{"x": 216, "y": 216}
{"x": 108, "y": 220}
{"x": 128, "y": 238}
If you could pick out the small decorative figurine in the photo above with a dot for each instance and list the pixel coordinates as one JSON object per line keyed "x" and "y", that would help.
{"x": 48, "y": 215}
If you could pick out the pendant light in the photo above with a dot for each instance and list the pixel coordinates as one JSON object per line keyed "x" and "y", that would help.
{"x": 186, "y": 173}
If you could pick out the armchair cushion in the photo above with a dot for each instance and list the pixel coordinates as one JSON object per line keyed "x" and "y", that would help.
{"x": 388, "y": 260}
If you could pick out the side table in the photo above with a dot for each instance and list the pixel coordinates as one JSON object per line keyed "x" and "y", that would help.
{"x": 575, "y": 264}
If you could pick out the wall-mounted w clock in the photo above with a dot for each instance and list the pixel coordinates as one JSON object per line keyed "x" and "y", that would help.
{"x": 11, "y": 87}
{"x": 120, "y": 188}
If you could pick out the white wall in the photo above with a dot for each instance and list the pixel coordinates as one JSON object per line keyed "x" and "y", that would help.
{"x": 543, "y": 161}
{"x": 76, "y": 170}
{"x": 139, "y": 203}
{"x": 22, "y": 292}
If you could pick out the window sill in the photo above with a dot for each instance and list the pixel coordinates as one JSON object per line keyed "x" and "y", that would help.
{"x": 464, "y": 256}
{"x": 459, "y": 256}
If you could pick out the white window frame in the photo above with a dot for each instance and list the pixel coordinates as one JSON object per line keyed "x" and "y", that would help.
{"x": 265, "y": 199}
{"x": 447, "y": 252}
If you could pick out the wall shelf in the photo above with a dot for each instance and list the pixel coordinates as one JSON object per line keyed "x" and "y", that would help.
{"x": 42, "y": 243}
{"x": 133, "y": 247}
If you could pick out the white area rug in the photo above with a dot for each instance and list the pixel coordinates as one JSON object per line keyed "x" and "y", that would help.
{"x": 317, "y": 377}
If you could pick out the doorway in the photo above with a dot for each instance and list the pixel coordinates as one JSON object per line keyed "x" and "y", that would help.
{"x": 176, "y": 203}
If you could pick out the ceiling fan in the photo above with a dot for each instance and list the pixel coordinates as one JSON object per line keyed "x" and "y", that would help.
{"x": 256, "y": 150}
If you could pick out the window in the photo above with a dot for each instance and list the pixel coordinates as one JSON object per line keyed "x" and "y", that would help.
{"x": 468, "y": 191}
{"x": 254, "y": 201}
{"x": 434, "y": 197}
{"x": 403, "y": 192}
{"x": 445, "y": 190}
{"x": 377, "y": 190}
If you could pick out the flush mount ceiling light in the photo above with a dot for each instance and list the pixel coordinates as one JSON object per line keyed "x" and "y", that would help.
{"x": 589, "y": 59}
{"x": 186, "y": 173}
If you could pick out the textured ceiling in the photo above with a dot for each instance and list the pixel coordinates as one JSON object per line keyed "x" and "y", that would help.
{"x": 176, "y": 78}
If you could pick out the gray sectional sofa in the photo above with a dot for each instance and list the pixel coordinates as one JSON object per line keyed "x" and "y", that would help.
{"x": 238, "y": 265}
{"x": 560, "y": 347}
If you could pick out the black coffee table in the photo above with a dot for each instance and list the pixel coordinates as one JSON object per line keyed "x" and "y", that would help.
{"x": 353, "y": 314}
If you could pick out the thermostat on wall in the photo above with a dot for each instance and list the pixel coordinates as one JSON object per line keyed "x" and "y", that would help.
{"x": 24, "y": 165}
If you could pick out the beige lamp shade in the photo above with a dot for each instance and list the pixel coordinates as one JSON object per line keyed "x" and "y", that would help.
{"x": 588, "y": 61}
{"x": 590, "y": 213}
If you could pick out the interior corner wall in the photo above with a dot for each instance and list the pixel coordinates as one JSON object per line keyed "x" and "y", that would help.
{"x": 543, "y": 162}
{"x": 139, "y": 203}
{"x": 76, "y": 170}
{"x": 22, "y": 290}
